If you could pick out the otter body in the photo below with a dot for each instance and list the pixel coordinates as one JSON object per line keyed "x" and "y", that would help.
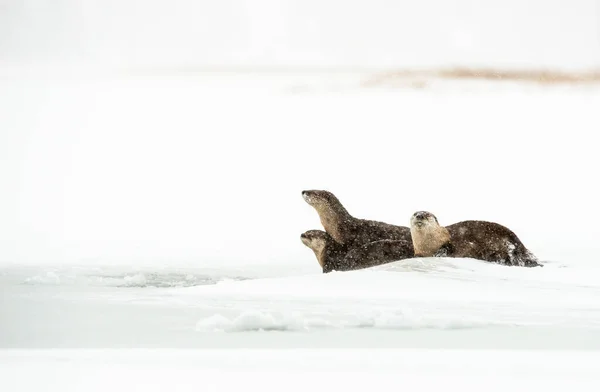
{"x": 348, "y": 230}
{"x": 487, "y": 241}
{"x": 333, "y": 256}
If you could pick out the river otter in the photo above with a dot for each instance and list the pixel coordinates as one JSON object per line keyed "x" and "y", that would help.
{"x": 480, "y": 240}
{"x": 334, "y": 256}
{"x": 348, "y": 230}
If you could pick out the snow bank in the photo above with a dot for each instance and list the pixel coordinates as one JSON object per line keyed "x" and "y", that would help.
{"x": 412, "y": 294}
{"x": 249, "y": 321}
{"x": 306, "y": 321}
{"x": 427, "y": 302}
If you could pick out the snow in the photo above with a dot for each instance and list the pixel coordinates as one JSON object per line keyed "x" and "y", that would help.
{"x": 419, "y": 324}
{"x": 151, "y": 217}
{"x": 172, "y": 211}
{"x": 297, "y": 370}
{"x": 428, "y": 302}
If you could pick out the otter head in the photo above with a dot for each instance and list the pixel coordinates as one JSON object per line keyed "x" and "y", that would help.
{"x": 331, "y": 212}
{"x": 420, "y": 219}
{"x": 427, "y": 234}
{"x": 316, "y": 240}
{"x": 320, "y": 199}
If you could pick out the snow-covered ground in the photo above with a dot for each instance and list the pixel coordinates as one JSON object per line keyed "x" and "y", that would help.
{"x": 419, "y": 324}
{"x": 432, "y": 303}
{"x": 298, "y": 370}
{"x": 164, "y": 211}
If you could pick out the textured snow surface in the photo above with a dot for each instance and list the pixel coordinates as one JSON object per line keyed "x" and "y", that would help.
{"x": 428, "y": 302}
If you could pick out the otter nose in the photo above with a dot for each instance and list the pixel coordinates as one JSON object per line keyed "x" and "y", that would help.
{"x": 304, "y": 193}
{"x": 420, "y": 215}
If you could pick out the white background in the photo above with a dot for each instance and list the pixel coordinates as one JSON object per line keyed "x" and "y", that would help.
{"x": 158, "y": 160}
{"x": 316, "y": 33}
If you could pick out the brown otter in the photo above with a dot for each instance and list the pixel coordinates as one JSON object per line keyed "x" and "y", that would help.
{"x": 348, "y": 230}
{"x": 333, "y": 256}
{"x": 480, "y": 240}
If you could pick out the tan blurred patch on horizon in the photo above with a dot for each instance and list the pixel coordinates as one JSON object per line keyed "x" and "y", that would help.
{"x": 419, "y": 78}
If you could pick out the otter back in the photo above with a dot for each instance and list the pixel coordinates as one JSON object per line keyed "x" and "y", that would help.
{"x": 359, "y": 232}
{"x": 340, "y": 257}
{"x": 488, "y": 241}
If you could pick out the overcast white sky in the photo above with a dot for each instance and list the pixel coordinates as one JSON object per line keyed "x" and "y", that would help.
{"x": 331, "y": 33}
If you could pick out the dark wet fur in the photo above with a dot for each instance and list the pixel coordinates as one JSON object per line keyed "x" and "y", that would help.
{"x": 379, "y": 252}
{"x": 338, "y": 257}
{"x": 486, "y": 241}
{"x": 356, "y": 232}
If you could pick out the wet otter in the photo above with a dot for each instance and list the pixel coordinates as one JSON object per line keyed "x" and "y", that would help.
{"x": 334, "y": 256}
{"x": 480, "y": 240}
{"x": 346, "y": 229}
